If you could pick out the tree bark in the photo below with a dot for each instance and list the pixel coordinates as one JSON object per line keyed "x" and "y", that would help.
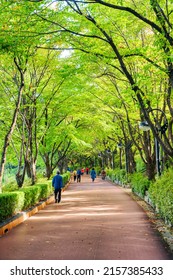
{"x": 13, "y": 122}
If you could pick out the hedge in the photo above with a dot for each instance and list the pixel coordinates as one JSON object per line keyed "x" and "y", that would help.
{"x": 139, "y": 183}
{"x": 22, "y": 199}
{"x": 118, "y": 175}
{"x": 32, "y": 196}
{"x": 66, "y": 178}
{"x": 46, "y": 190}
{"x": 11, "y": 204}
{"x": 161, "y": 194}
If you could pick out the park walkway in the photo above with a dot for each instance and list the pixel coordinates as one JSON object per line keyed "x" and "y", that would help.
{"x": 94, "y": 221}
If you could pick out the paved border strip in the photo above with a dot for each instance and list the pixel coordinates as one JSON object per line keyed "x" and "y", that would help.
{"x": 22, "y": 216}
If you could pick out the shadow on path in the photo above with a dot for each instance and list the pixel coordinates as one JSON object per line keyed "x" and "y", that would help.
{"x": 94, "y": 221}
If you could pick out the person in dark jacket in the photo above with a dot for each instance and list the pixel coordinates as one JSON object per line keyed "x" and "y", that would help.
{"x": 79, "y": 173}
{"x": 57, "y": 183}
{"x": 93, "y": 174}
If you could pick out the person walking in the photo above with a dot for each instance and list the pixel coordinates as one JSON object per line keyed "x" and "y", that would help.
{"x": 57, "y": 183}
{"x": 82, "y": 171}
{"x": 74, "y": 175}
{"x": 87, "y": 170}
{"x": 79, "y": 173}
{"x": 93, "y": 174}
{"x": 103, "y": 174}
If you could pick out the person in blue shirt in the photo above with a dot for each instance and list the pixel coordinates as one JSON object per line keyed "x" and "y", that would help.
{"x": 79, "y": 173}
{"x": 57, "y": 183}
{"x": 93, "y": 174}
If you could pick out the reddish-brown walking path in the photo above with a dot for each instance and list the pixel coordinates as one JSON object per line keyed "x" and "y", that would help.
{"x": 94, "y": 221}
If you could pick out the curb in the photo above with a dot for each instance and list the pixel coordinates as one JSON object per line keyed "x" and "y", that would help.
{"x": 16, "y": 220}
{"x": 19, "y": 218}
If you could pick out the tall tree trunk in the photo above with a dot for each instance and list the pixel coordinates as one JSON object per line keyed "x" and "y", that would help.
{"x": 61, "y": 166}
{"x": 28, "y": 169}
{"x": 33, "y": 172}
{"x": 13, "y": 123}
{"x": 132, "y": 162}
{"x": 151, "y": 169}
{"x": 20, "y": 175}
{"x": 49, "y": 170}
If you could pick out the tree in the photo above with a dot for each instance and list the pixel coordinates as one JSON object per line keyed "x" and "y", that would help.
{"x": 19, "y": 65}
{"x": 139, "y": 61}
{"x": 88, "y": 12}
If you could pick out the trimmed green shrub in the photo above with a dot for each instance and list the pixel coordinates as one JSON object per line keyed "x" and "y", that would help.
{"x": 119, "y": 175}
{"x": 110, "y": 173}
{"x": 139, "y": 183}
{"x": 10, "y": 188}
{"x": 161, "y": 195}
{"x": 65, "y": 178}
{"x": 32, "y": 195}
{"x": 10, "y": 204}
{"x": 45, "y": 190}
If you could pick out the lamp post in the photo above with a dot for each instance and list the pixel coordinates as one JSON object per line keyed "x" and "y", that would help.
{"x": 159, "y": 128}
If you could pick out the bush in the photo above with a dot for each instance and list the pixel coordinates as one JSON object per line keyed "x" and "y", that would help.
{"x": 10, "y": 204}
{"x": 110, "y": 173}
{"x": 32, "y": 195}
{"x": 10, "y": 187}
{"x": 139, "y": 183}
{"x": 45, "y": 190}
{"x": 161, "y": 195}
{"x": 66, "y": 178}
{"x": 119, "y": 175}
{"x": 140, "y": 165}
